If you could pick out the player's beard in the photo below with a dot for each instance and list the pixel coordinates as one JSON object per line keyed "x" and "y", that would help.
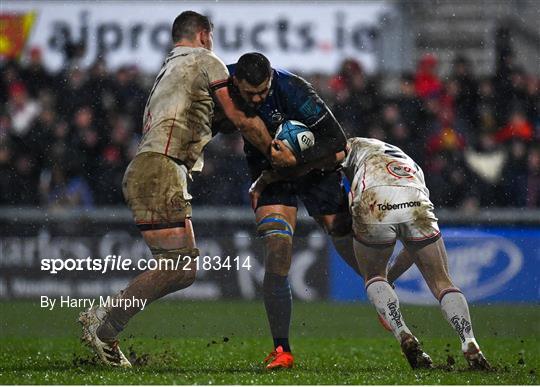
{"x": 248, "y": 109}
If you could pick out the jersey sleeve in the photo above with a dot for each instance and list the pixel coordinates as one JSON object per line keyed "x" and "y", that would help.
{"x": 217, "y": 72}
{"x": 308, "y": 108}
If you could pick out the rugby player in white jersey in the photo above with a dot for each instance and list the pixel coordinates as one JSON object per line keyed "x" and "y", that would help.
{"x": 176, "y": 128}
{"x": 388, "y": 201}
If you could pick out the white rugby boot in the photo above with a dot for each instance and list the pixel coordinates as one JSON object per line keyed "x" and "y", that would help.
{"x": 108, "y": 352}
{"x": 414, "y": 353}
{"x": 475, "y": 358}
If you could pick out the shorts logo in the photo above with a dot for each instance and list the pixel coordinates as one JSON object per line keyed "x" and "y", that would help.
{"x": 400, "y": 170}
{"x": 399, "y": 206}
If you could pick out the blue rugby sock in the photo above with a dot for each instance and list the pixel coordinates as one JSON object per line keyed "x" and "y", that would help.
{"x": 278, "y": 303}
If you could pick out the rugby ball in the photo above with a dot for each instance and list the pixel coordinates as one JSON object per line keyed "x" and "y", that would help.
{"x": 296, "y": 136}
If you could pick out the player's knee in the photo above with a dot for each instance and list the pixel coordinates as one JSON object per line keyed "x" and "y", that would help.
{"x": 277, "y": 233}
{"x": 178, "y": 266}
{"x": 275, "y": 225}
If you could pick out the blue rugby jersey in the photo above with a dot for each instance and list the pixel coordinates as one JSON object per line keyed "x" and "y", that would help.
{"x": 290, "y": 98}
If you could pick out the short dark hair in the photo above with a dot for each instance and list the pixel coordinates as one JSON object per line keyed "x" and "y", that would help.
{"x": 254, "y": 68}
{"x": 188, "y": 23}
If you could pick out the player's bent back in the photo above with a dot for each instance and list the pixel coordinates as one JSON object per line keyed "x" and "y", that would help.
{"x": 389, "y": 198}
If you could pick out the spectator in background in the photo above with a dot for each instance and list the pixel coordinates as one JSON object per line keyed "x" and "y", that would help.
{"x": 486, "y": 160}
{"x": 450, "y": 181}
{"x": 115, "y": 160}
{"x": 444, "y": 136}
{"x": 59, "y": 149}
{"x": 466, "y": 100}
{"x": 86, "y": 141}
{"x": 6, "y": 175}
{"x": 518, "y": 99}
{"x": 439, "y": 124}
{"x": 73, "y": 93}
{"x": 515, "y": 175}
{"x": 533, "y": 104}
{"x": 61, "y": 191}
{"x": 357, "y": 98}
{"x": 9, "y": 76}
{"x": 426, "y": 80}
{"x": 102, "y": 91}
{"x": 517, "y": 127}
{"x": 487, "y": 118}
{"x": 129, "y": 96}
{"x": 22, "y": 110}
{"x": 40, "y": 136}
{"x": 411, "y": 107}
{"x": 24, "y": 182}
{"x": 34, "y": 74}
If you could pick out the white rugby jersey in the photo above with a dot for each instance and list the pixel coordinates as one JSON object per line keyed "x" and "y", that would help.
{"x": 372, "y": 163}
{"x": 178, "y": 114}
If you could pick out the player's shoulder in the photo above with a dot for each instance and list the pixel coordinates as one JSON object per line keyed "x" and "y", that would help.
{"x": 284, "y": 74}
{"x": 285, "y": 78}
{"x": 208, "y": 57}
{"x": 363, "y": 142}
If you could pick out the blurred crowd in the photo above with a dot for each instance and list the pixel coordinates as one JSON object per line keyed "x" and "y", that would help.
{"x": 66, "y": 138}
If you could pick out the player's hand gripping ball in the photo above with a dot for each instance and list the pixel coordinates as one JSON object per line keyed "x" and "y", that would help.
{"x": 296, "y": 136}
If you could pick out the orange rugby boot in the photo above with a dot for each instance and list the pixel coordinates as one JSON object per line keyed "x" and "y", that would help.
{"x": 278, "y": 359}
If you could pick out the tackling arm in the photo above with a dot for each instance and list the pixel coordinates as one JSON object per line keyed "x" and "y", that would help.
{"x": 270, "y": 176}
{"x": 329, "y": 139}
{"x": 252, "y": 128}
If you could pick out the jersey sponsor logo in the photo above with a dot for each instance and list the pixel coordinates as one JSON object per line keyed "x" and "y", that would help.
{"x": 398, "y": 206}
{"x": 310, "y": 108}
{"x": 400, "y": 170}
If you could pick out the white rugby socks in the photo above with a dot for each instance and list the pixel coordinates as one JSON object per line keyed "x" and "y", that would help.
{"x": 456, "y": 311}
{"x": 385, "y": 300}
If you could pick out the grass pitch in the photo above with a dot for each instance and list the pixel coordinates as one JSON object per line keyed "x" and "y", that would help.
{"x": 225, "y": 342}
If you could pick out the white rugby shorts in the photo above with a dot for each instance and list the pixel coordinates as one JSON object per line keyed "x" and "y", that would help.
{"x": 382, "y": 214}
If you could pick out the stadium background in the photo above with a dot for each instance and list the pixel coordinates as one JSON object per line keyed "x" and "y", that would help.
{"x": 455, "y": 84}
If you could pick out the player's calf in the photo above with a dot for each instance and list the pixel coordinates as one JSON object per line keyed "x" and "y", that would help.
{"x": 432, "y": 262}
{"x": 456, "y": 311}
{"x": 277, "y": 233}
{"x": 150, "y": 286}
{"x": 385, "y": 300}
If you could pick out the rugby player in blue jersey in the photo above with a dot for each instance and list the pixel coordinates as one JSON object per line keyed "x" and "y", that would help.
{"x": 275, "y": 96}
